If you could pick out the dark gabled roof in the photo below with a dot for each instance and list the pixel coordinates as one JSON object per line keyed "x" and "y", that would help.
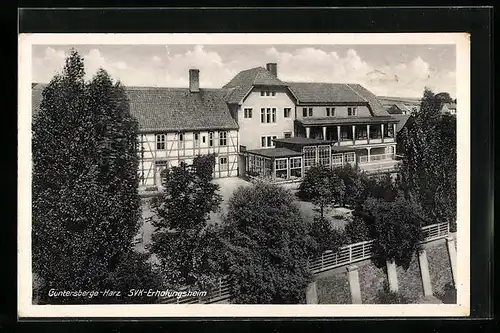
{"x": 393, "y": 100}
{"x": 316, "y": 92}
{"x": 403, "y": 118}
{"x": 451, "y": 105}
{"x": 241, "y": 84}
{"x": 171, "y": 109}
{"x": 336, "y": 93}
{"x": 258, "y": 76}
{"x": 402, "y": 107}
{"x": 324, "y": 121}
{"x": 274, "y": 152}
{"x": 377, "y": 107}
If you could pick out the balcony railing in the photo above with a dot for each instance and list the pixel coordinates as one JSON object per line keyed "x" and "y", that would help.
{"x": 376, "y": 158}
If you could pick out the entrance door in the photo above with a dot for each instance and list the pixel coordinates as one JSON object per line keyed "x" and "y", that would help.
{"x": 159, "y": 167}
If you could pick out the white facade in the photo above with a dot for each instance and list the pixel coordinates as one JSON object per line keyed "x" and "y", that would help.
{"x": 273, "y": 122}
{"x": 167, "y": 149}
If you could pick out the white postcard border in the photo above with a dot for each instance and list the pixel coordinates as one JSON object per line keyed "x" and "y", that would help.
{"x": 27, "y": 309}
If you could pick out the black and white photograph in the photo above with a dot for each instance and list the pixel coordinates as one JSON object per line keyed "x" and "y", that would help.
{"x": 181, "y": 175}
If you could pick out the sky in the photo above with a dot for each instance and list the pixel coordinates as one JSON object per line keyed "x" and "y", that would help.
{"x": 386, "y": 70}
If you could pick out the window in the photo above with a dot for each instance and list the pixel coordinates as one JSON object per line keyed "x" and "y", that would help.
{"x": 268, "y": 115}
{"x": 281, "y": 166}
{"x": 330, "y": 112}
{"x": 267, "y": 141}
{"x": 351, "y": 111}
{"x": 223, "y": 163}
{"x": 304, "y": 112}
{"x": 181, "y": 141}
{"x": 248, "y": 113}
{"x": 350, "y": 157}
{"x": 361, "y": 133}
{"x": 196, "y": 139}
{"x": 268, "y": 93}
{"x": 286, "y": 112}
{"x": 222, "y": 138}
{"x": 310, "y": 112}
{"x": 295, "y": 167}
{"x": 309, "y": 156}
{"x": 324, "y": 155}
{"x": 243, "y": 148}
{"x": 160, "y": 141}
{"x": 345, "y": 133}
{"x": 210, "y": 139}
{"x": 287, "y": 135}
{"x": 389, "y": 129}
{"x": 337, "y": 160}
{"x": 203, "y": 139}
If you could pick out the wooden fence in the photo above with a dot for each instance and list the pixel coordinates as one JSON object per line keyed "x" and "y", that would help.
{"x": 346, "y": 255}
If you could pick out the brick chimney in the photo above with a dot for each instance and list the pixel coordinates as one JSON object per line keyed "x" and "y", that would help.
{"x": 273, "y": 68}
{"x": 194, "y": 80}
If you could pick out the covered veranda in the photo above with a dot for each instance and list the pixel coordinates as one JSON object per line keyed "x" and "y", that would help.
{"x": 274, "y": 164}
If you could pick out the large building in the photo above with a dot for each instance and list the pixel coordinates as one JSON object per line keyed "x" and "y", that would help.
{"x": 260, "y": 126}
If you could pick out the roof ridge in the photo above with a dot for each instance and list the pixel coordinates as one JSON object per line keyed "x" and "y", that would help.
{"x": 305, "y": 82}
{"x": 362, "y": 97}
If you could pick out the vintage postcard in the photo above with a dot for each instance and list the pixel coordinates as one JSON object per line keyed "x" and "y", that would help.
{"x": 243, "y": 175}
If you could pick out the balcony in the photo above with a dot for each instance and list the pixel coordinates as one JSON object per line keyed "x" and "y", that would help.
{"x": 378, "y": 163}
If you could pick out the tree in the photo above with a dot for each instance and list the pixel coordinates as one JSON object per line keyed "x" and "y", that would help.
{"x": 428, "y": 169}
{"x": 186, "y": 245}
{"x": 354, "y": 180}
{"x": 322, "y": 187}
{"x": 327, "y": 238}
{"x": 444, "y": 97}
{"x": 396, "y": 228}
{"x": 357, "y": 230}
{"x": 85, "y": 200}
{"x": 267, "y": 246}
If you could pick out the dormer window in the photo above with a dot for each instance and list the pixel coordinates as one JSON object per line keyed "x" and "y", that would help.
{"x": 268, "y": 93}
{"x": 351, "y": 111}
{"x": 307, "y": 112}
{"x": 330, "y": 112}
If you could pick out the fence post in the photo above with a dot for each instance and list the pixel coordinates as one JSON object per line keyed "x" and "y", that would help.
{"x": 350, "y": 254}
{"x": 354, "y": 287}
